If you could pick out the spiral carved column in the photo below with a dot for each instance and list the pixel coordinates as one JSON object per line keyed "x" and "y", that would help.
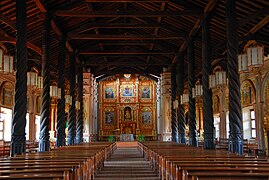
{"x": 181, "y": 111}
{"x": 193, "y": 140}
{"x": 20, "y": 107}
{"x": 235, "y": 114}
{"x": 60, "y": 136}
{"x": 72, "y": 113}
{"x": 79, "y": 133}
{"x": 173, "y": 110}
{"x": 207, "y": 93}
{"x": 44, "y": 143}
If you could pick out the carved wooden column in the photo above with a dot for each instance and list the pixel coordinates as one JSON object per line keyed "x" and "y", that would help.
{"x": 207, "y": 93}
{"x": 20, "y": 106}
{"x": 79, "y": 133}
{"x": 60, "y": 134}
{"x": 44, "y": 143}
{"x": 72, "y": 113}
{"x": 235, "y": 114}
{"x": 193, "y": 140}
{"x": 181, "y": 111}
{"x": 174, "y": 122}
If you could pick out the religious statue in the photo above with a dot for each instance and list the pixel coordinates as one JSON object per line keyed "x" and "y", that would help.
{"x": 127, "y": 114}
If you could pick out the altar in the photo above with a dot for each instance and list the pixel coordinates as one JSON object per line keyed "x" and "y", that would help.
{"x": 127, "y": 137}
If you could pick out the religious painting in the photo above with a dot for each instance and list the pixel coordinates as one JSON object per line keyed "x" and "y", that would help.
{"x": 127, "y": 90}
{"x": 216, "y": 104}
{"x": 109, "y": 93}
{"x": 109, "y": 117}
{"x": 145, "y": 92}
{"x": 7, "y": 94}
{"x": 247, "y": 93}
{"x": 146, "y": 117}
{"x": 38, "y": 105}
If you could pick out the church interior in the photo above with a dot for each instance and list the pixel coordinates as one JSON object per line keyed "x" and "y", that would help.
{"x": 134, "y": 89}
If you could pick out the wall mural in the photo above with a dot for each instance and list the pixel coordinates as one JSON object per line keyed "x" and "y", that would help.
{"x": 127, "y": 106}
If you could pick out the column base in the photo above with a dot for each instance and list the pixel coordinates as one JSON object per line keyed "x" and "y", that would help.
{"x": 182, "y": 138}
{"x": 44, "y": 145}
{"x": 79, "y": 139}
{"x": 60, "y": 140}
{"x": 236, "y": 143}
{"x": 193, "y": 141}
{"x": 70, "y": 141}
{"x": 17, "y": 145}
{"x": 209, "y": 141}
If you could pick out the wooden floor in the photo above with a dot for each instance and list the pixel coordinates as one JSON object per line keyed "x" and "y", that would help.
{"x": 126, "y": 163}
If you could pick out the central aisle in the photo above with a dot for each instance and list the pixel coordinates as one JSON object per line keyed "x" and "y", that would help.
{"x": 127, "y": 163}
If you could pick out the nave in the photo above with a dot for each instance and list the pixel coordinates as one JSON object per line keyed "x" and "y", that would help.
{"x": 126, "y": 162}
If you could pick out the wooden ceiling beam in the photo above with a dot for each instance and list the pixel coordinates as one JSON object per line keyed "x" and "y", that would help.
{"x": 132, "y": 64}
{"x": 109, "y": 52}
{"x": 253, "y": 16}
{"x": 7, "y": 21}
{"x": 12, "y": 40}
{"x": 128, "y": 26}
{"x": 121, "y": 37}
{"x": 90, "y": 14}
{"x": 54, "y": 26}
{"x": 208, "y": 9}
{"x": 129, "y": 1}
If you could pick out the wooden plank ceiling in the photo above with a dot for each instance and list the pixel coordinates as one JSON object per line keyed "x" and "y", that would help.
{"x": 132, "y": 36}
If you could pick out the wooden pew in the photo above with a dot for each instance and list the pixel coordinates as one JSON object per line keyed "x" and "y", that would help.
{"x": 172, "y": 161}
{"x": 71, "y": 162}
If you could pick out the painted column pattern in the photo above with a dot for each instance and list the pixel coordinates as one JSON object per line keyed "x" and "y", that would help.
{"x": 79, "y": 133}
{"x": 193, "y": 140}
{"x": 60, "y": 134}
{"x": 72, "y": 113}
{"x": 235, "y": 114}
{"x": 207, "y": 93}
{"x": 20, "y": 106}
{"x": 173, "y": 110}
{"x": 181, "y": 111}
{"x": 44, "y": 143}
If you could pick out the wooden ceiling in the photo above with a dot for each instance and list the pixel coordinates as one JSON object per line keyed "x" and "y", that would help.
{"x": 132, "y": 36}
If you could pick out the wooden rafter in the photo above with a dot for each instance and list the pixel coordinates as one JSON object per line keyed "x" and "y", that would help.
{"x": 54, "y": 26}
{"x": 7, "y": 21}
{"x": 208, "y": 9}
{"x": 126, "y": 64}
{"x": 129, "y": 1}
{"x": 12, "y": 40}
{"x": 110, "y": 52}
{"x": 121, "y": 37}
{"x": 89, "y": 14}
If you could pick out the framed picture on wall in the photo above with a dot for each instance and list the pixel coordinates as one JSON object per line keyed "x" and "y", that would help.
{"x": 146, "y": 117}
{"x": 145, "y": 92}
{"x": 109, "y": 93}
{"x": 127, "y": 90}
{"x": 109, "y": 117}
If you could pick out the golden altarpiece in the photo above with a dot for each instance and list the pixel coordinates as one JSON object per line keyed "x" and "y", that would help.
{"x": 127, "y": 105}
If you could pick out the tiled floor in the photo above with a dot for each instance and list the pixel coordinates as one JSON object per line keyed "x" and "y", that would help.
{"x": 126, "y": 163}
